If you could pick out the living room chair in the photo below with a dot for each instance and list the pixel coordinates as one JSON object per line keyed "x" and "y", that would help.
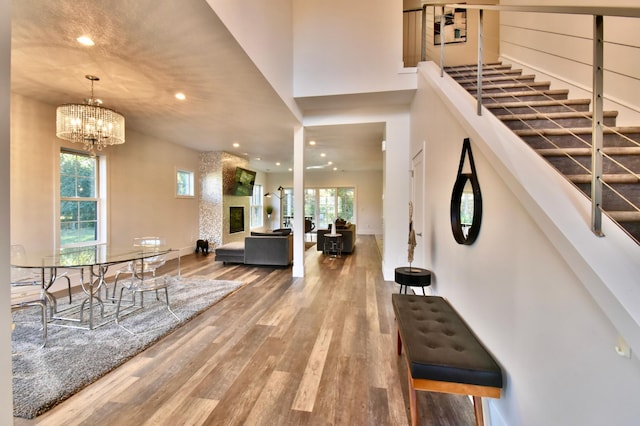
{"x": 138, "y": 268}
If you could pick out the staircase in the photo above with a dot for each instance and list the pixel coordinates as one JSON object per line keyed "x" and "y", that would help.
{"x": 559, "y": 129}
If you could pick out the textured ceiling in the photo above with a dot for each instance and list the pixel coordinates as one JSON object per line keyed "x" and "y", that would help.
{"x": 145, "y": 51}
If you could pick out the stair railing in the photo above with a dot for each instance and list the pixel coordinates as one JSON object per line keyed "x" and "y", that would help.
{"x": 598, "y": 14}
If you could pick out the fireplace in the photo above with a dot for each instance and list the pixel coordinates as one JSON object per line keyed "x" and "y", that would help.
{"x": 236, "y": 219}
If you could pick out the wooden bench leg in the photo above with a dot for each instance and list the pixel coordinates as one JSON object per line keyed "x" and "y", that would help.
{"x": 413, "y": 406}
{"x": 399, "y": 344}
{"x": 477, "y": 408}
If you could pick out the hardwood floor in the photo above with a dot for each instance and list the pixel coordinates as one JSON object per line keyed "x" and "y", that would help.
{"x": 318, "y": 350}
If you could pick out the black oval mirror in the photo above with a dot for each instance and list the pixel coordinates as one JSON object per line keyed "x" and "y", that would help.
{"x": 466, "y": 202}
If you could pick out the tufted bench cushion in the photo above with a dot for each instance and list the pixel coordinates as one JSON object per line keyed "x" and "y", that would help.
{"x": 442, "y": 352}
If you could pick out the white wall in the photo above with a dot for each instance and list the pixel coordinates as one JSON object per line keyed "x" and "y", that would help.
{"x": 368, "y": 187}
{"x": 348, "y": 47}
{"x": 6, "y": 392}
{"x": 265, "y": 32}
{"x": 517, "y": 290}
{"x": 558, "y": 48}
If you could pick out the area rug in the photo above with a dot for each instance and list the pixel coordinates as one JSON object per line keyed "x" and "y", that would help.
{"x": 74, "y": 358}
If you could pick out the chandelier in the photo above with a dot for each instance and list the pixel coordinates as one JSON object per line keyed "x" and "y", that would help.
{"x": 90, "y": 123}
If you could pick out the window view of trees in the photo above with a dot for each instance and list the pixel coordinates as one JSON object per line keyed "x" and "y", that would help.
{"x": 184, "y": 183}
{"x": 78, "y": 198}
{"x": 255, "y": 218}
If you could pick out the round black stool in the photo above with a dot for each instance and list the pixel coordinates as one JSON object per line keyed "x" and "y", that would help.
{"x": 412, "y": 277}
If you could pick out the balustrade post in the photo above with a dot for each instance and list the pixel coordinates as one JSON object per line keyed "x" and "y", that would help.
{"x": 480, "y": 55}
{"x": 597, "y": 132}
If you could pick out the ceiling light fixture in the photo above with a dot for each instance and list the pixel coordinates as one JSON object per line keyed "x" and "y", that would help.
{"x": 89, "y": 123}
{"x": 86, "y": 41}
{"x": 181, "y": 96}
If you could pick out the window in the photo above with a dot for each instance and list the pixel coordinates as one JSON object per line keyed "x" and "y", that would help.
{"x": 78, "y": 198}
{"x": 325, "y": 205}
{"x": 256, "y": 207}
{"x": 184, "y": 184}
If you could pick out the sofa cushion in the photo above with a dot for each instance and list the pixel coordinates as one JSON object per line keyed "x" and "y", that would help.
{"x": 276, "y": 233}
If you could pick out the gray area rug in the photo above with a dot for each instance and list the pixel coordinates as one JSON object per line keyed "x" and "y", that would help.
{"x": 73, "y": 358}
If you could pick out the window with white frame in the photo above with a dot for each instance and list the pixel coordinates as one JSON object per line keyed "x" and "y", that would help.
{"x": 184, "y": 183}
{"x": 256, "y": 207}
{"x": 79, "y": 199}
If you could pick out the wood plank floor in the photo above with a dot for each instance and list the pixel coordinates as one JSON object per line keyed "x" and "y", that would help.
{"x": 318, "y": 350}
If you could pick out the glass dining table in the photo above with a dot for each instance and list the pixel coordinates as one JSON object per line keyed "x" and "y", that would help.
{"x": 96, "y": 259}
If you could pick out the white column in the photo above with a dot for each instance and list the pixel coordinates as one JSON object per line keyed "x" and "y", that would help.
{"x": 298, "y": 202}
{"x": 6, "y": 388}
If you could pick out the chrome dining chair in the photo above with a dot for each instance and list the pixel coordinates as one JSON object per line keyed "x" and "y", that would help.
{"x": 33, "y": 276}
{"x": 27, "y": 290}
{"x": 140, "y": 267}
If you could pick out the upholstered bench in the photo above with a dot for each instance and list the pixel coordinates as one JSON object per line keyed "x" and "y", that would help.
{"x": 231, "y": 252}
{"x": 442, "y": 353}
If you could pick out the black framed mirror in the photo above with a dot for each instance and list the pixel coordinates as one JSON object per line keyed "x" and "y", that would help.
{"x": 466, "y": 201}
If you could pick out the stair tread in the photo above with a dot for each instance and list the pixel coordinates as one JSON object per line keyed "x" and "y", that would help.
{"x": 492, "y": 71}
{"x": 624, "y": 216}
{"x": 576, "y": 131}
{"x": 552, "y": 115}
{"x": 497, "y": 78}
{"x": 523, "y": 93}
{"x": 608, "y": 178}
{"x": 511, "y": 85}
{"x": 489, "y": 65}
{"x": 533, "y": 104}
{"x": 584, "y": 152}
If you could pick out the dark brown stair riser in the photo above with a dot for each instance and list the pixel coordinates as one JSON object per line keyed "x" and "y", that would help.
{"x": 610, "y": 200}
{"x": 582, "y": 164}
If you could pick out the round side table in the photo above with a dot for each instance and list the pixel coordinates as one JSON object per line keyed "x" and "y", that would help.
{"x": 412, "y": 277}
{"x": 333, "y": 244}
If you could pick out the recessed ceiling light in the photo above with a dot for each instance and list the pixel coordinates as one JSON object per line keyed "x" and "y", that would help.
{"x": 312, "y": 142}
{"x": 290, "y": 169}
{"x": 330, "y": 163}
{"x": 335, "y": 168}
{"x": 278, "y": 163}
{"x": 323, "y": 155}
{"x": 181, "y": 96}
{"x": 85, "y": 41}
{"x": 236, "y": 144}
{"x": 258, "y": 158}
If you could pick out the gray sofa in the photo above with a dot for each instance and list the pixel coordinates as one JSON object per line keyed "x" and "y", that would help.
{"x": 348, "y": 238}
{"x": 273, "y": 249}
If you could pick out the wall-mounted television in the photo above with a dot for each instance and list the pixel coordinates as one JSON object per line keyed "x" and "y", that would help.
{"x": 243, "y": 182}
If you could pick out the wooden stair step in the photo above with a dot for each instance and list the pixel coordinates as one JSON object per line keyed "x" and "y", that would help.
{"x": 490, "y": 72}
{"x": 586, "y": 152}
{"x": 538, "y": 104}
{"x": 610, "y": 179}
{"x": 500, "y": 78}
{"x": 624, "y": 216}
{"x": 557, "y": 94}
{"x": 534, "y": 85}
{"x": 577, "y": 131}
{"x": 544, "y": 106}
{"x": 489, "y": 65}
{"x": 555, "y": 115}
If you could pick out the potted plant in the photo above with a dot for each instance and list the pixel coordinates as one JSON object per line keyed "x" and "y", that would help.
{"x": 269, "y": 210}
